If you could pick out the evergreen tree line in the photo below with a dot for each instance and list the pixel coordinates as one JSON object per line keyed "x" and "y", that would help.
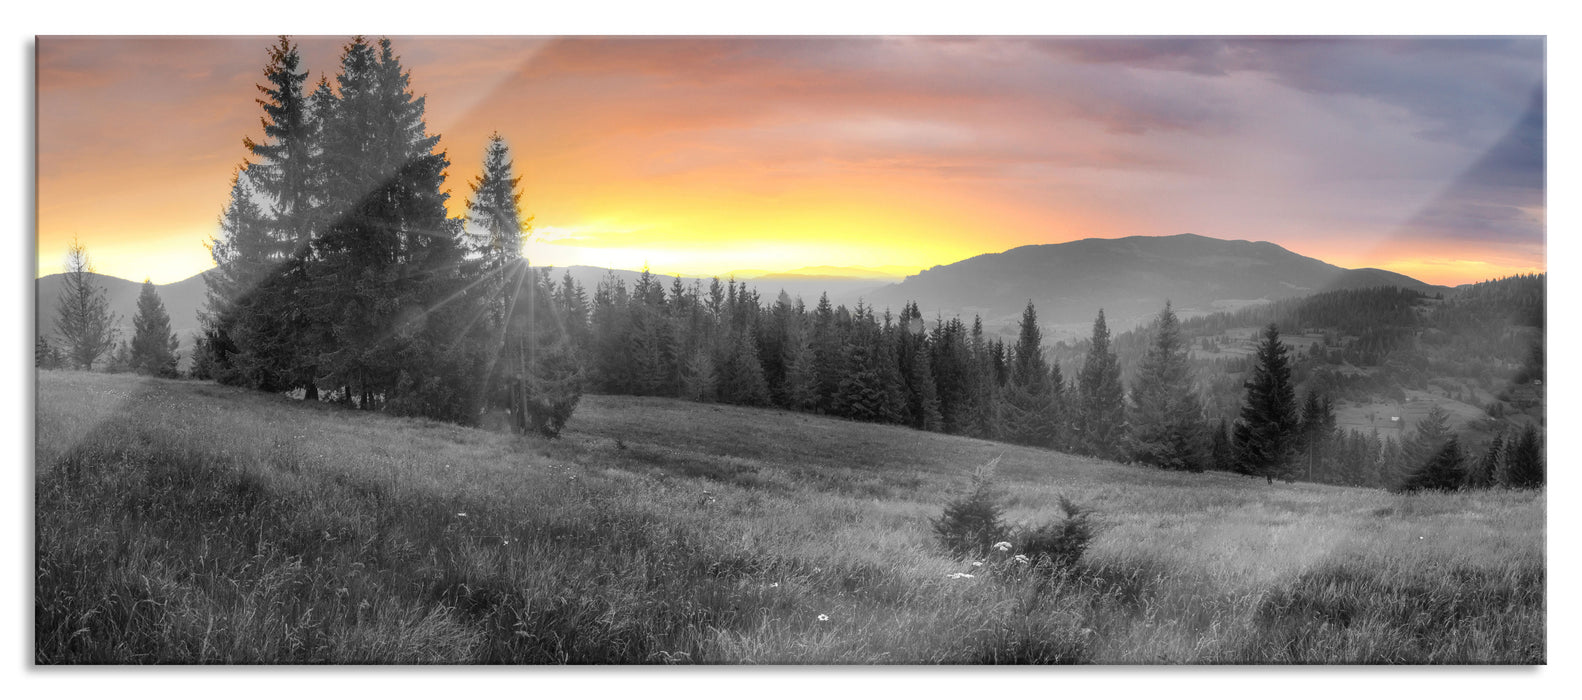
{"x": 723, "y": 343}
{"x": 340, "y": 275}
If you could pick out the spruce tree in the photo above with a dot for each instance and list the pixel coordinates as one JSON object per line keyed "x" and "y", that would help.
{"x": 1429, "y": 437}
{"x": 700, "y": 379}
{"x": 610, "y": 335}
{"x": 741, "y": 378}
{"x": 1030, "y": 404}
{"x": 887, "y": 364}
{"x": 543, "y": 379}
{"x": 84, "y": 324}
{"x": 928, "y": 416}
{"x": 496, "y": 226}
{"x": 1524, "y": 464}
{"x": 1485, "y": 472}
{"x": 861, "y": 394}
{"x": 984, "y": 395}
{"x": 828, "y": 342}
{"x": 1266, "y": 433}
{"x": 243, "y": 254}
{"x": 527, "y": 323}
{"x": 389, "y": 287}
{"x": 255, "y": 332}
{"x": 284, "y": 172}
{"x": 1316, "y": 429}
{"x": 575, "y": 302}
{"x": 1444, "y": 471}
{"x": 1101, "y": 416}
{"x": 153, "y": 343}
{"x": 951, "y": 361}
{"x": 801, "y": 380}
{"x": 1166, "y": 417}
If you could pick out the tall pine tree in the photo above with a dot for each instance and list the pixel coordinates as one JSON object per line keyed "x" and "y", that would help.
{"x": 84, "y": 324}
{"x": 528, "y": 342}
{"x": 153, "y": 343}
{"x": 1166, "y": 416}
{"x": 1485, "y": 471}
{"x": 1031, "y": 403}
{"x": 1524, "y": 463}
{"x": 1101, "y": 415}
{"x": 255, "y": 326}
{"x": 1445, "y": 470}
{"x": 496, "y": 226}
{"x": 388, "y": 284}
{"x": 1266, "y": 434}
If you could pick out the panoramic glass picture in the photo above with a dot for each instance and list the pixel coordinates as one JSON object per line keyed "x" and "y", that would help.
{"x": 790, "y": 350}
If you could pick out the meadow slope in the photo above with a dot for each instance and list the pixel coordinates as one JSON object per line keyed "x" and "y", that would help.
{"x": 185, "y": 522}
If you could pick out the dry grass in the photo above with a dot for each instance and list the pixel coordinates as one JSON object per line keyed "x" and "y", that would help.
{"x": 191, "y": 523}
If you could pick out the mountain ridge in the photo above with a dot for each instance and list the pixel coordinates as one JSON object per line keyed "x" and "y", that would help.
{"x": 1130, "y": 278}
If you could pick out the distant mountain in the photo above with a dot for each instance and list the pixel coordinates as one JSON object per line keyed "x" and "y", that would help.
{"x": 182, "y": 301}
{"x": 1130, "y": 278}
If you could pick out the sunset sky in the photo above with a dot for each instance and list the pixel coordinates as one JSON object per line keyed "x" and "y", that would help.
{"x": 706, "y": 155}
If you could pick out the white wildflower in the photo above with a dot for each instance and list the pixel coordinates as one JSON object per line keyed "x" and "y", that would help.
{"x": 462, "y": 514}
{"x": 1002, "y": 546}
{"x": 1021, "y": 559}
{"x": 776, "y": 584}
{"x": 977, "y": 564}
{"x": 823, "y": 618}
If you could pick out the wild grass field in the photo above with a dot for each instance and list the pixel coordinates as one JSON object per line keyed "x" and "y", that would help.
{"x": 185, "y": 522}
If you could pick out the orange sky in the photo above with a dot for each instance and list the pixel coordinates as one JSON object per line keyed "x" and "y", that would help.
{"x": 702, "y": 156}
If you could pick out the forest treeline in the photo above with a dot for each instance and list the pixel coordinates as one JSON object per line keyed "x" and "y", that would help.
{"x": 723, "y": 343}
{"x": 341, "y": 277}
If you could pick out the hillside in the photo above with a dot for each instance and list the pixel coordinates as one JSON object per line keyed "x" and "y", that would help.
{"x": 1130, "y": 278}
{"x": 1391, "y": 351}
{"x": 662, "y": 531}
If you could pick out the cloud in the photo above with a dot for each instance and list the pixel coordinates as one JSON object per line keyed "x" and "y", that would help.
{"x": 1501, "y": 196}
{"x": 980, "y": 141}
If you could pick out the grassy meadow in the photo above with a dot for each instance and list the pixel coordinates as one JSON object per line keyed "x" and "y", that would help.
{"x": 185, "y": 522}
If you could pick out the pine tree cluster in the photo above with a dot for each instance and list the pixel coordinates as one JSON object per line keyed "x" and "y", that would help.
{"x": 340, "y": 272}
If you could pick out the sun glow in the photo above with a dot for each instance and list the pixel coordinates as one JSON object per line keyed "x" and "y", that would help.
{"x": 704, "y": 157}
